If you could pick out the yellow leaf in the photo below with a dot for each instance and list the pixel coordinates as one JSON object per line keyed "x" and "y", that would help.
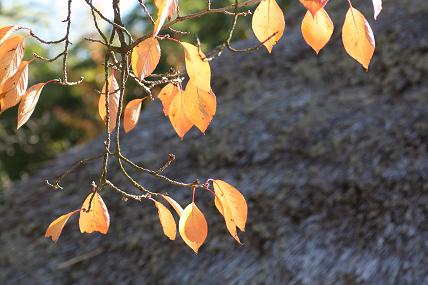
{"x": 166, "y": 95}
{"x": 313, "y": 5}
{"x": 197, "y": 68}
{"x": 167, "y": 221}
{"x": 14, "y": 87}
{"x": 174, "y": 204}
{"x": 173, "y": 8}
{"x": 28, "y": 103}
{"x": 132, "y": 114}
{"x": 193, "y": 227}
{"x": 358, "y": 38}
{"x": 317, "y": 30}
{"x": 268, "y": 23}
{"x": 11, "y": 54}
{"x": 377, "y": 6}
{"x": 218, "y": 205}
{"x": 114, "y": 95}
{"x": 97, "y": 219}
{"x": 5, "y": 32}
{"x": 178, "y": 117}
{"x": 164, "y": 7}
{"x": 230, "y": 197}
{"x": 55, "y": 228}
{"x": 145, "y": 57}
{"x": 199, "y": 105}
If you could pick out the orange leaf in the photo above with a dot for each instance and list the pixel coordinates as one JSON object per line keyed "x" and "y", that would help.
{"x": 230, "y": 197}
{"x": 55, "y": 228}
{"x": 11, "y": 54}
{"x": 317, "y": 30}
{"x": 97, "y": 219}
{"x": 224, "y": 209}
{"x": 193, "y": 227}
{"x": 268, "y": 23}
{"x": 313, "y": 5}
{"x": 28, "y": 103}
{"x": 166, "y": 95}
{"x": 197, "y": 68}
{"x": 218, "y": 205}
{"x": 14, "y": 87}
{"x": 173, "y": 8}
{"x": 145, "y": 57}
{"x": 377, "y": 6}
{"x": 132, "y": 114}
{"x": 5, "y": 32}
{"x": 164, "y": 7}
{"x": 199, "y": 105}
{"x": 174, "y": 204}
{"x": 167, "y": 221}
{"x": 114, "y": 95}
{"x": 358, "y": 38}
{"x": 178, "y": 117}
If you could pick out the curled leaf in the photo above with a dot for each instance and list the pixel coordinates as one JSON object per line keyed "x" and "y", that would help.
{"x": 114, "y": 95}
{"x": 132, "y": 114}
{"x": 314, "y": 5}
{"x": 11, "y": 54}
{"x": 193, "y": 227}
{"x": 55, "y": 228}
{"x": 164, "y": 8}
{"x": 199, "y": 105}
{"x": 197, "y": 68}
{"x": 268, "y": 23}
{"x": 28, "y": 103}
{"x": 177, "y": 116}
{"x": 166, "y": 95}
{"x": 174, "y": 204}
{"x": 377, "y": 6}
{"x": 167, "y": 221}
{"x": 14, "y": 87}
{"x": 5, "y": 32}
{"x": 145, "y": 57}
{"x": 97, "y": 219}
{"x": 358, "y": 38}
{"x": 317, "y": 30}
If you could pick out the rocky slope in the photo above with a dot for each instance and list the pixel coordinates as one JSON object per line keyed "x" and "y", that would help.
{"x": 333, "y": 162}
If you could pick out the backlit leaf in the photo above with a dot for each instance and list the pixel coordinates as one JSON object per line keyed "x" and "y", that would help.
{"x": 193, "y": 227}
{"x": 177, "y": 116}
{"x": 97, "y": 219}
{"x": 132, "y": 114}
{"x": 197, "y": 68}
{"x": 317, "y": 30}
{"x": 114, "y": 95}
{"x": 268, "y": 23}
{"x": 358, "y": 38}
{"x": 5, "y": 32}
{"x": 174, "y": 204}
{"x": 11, "y": 54}
{"x": 313, "y": 5}
{"x": 166, "y": 95}
{"x": 173, "y": 8}
{"x": 164, "y": 7}
{"x": 14, "y": 87}
{"x": 167, "y": 221}
{"x": 55, "y": 228}
{"x": 377, "y": 6}
{"x": 230, "y": 197}
{"x": 145, "y": 57}
{"x": 28, "y": 103}
{"x": 199, "y": 105}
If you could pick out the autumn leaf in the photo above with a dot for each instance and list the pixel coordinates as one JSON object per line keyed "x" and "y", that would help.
{"x": 132, "y": 114}
{"x": 28, "y": 103}
{"x": 177, "y": 116}
{"x": 199, "y": 105}
{"x": 145, "y": 57}
{"x": 193, "y": 227}
{"x": 5, "y": 32}
{"x": 225, "y": 211}
{"x": 55, "y": 228}
{"x": 167, "y": 220}
{"x": 166, "y": 95}
{"x": 114, "y": 95}
{"x": 358, "y": 38}
{"x": 314, "y": 5}
{"x": 197, "y": 68}
{"x": 164, "y": 8}
{"x": 11, "y": 54}
{"x": 377, "y": 6}
{"x": 317, "y": 30}
{"x": 268, "y": 23}
{"x": 174, "y": 204}
{"x": 230, "y": 197}
{"x": 14, "y": 87}
{"x": 97, "y": 219}
{"x": 173, "y": 8}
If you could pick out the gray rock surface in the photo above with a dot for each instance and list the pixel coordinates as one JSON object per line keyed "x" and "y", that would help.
{"x": 332, "y": 160}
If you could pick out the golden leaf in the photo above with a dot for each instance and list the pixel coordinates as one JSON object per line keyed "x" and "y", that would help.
{"x": 317, "y": 30}
{"x": 145, "y": 57}
{"x": 97, "y": 219}
{"x": 193, "y": 227}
